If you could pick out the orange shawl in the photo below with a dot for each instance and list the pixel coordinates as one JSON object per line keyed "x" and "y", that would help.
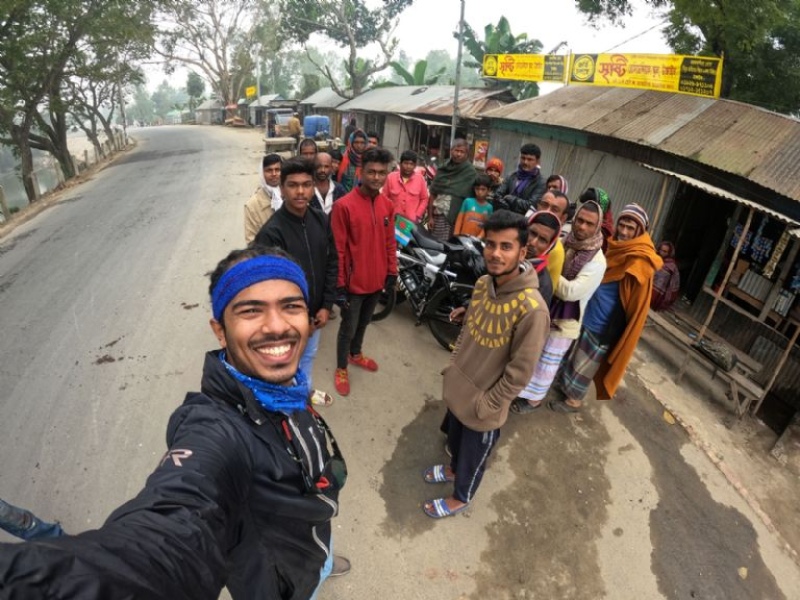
{"x": 633, "y": 263}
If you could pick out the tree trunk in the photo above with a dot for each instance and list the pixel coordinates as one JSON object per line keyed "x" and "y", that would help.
{"x": 21, "y": 134}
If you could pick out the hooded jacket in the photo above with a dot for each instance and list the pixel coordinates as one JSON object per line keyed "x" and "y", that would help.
{"x": 363, "y": 229}
{"x": 504, "y": 331}
{"x": 632, "y": 263}
{"x": 309, "y": 240}
{"x": 226, "y": 506}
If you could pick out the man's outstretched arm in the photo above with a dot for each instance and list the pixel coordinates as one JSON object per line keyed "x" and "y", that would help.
{"x": 171, "y": 541}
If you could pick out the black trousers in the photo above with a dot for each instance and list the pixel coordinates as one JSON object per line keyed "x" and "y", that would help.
{"x": 470, "y": 450}
{"x": 353, "y": 325}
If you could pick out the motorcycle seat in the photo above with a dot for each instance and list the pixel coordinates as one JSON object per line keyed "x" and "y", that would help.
{"x": 426, "y": 241}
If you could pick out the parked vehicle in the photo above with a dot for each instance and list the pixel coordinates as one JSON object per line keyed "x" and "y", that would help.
{"x": 435, "y": 277}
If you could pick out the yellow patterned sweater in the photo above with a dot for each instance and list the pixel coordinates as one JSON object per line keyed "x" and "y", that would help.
{"x": 504, "y": 331}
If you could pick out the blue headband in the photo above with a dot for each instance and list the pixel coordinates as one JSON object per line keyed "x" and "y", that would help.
{"x": 251, "y": 271}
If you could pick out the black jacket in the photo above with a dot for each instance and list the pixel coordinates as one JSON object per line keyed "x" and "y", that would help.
{"x": 227, "y": 505}
{"x": 338, "y": 192}
{"x": 310, "y": 241}
{"x": 527, "y": 199}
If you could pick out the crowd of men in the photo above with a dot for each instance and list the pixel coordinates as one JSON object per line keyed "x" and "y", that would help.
{"x": 245, "y": 494}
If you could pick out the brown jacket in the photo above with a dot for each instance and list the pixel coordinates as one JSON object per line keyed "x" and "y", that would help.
{"x": 257, "y": 211}
{"x": 503, "y": 335}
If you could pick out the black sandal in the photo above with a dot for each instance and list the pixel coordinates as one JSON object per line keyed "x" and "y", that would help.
{"x": 521, "y": 406}
{"x": 562, "y": 407}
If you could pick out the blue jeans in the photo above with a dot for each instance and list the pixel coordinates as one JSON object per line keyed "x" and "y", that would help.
{"x": 325, "y": 571}
{"x": 307, "y": 360}
{"x": 25, "y": 525}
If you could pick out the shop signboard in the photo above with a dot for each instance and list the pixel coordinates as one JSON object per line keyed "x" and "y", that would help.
{"x": 695, "y": 75}
{"x": 526, "y": 67}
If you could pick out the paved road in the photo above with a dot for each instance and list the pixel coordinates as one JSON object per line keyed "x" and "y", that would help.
{"x": 104, "y": 319}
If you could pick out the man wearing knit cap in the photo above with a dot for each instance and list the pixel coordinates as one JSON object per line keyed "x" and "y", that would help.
{"x": 614, "y": 316}
{"x": 244, "y": 495}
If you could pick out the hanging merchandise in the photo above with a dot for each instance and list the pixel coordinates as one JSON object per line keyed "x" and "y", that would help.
{"x": 761, "y": 246}
{"x": 737, "y": 233}
{"x": 794, "y": 283}
{"x": 769, "y": 268}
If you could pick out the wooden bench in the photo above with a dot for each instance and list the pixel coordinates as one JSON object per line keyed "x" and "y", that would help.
{"x": 743, "y": 390}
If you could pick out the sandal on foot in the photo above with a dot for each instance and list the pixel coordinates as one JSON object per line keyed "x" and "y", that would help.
{"x": 439, "y": 509}
{"x": 562, "y": 407}
{"x": 320, "y": 398}
{"x": 521, "y": 406}
{"x": 437, "y": 474}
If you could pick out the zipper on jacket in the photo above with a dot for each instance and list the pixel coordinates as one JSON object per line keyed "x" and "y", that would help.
{"x": 313, "y": 282}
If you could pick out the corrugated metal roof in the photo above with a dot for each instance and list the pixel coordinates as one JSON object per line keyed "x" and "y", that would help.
{"x": 715, "y": 191}
{"x": 212, "y": 104}
{"x": 426, "y": 100}
{"x": 324, "y": 98}
{"x": 264, "y": 100}
{"x": 738, "y": 138}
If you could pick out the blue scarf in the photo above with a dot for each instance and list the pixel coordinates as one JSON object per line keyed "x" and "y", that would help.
{"x": 273, "y": 397}
{"x": 523, "y": 177}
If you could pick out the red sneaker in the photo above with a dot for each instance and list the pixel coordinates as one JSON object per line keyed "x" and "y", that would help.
{"x": 362, "y": 361}
{"x": 341, "y": 382}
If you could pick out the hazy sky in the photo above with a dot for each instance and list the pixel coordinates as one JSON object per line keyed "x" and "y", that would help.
{"x": 428, "y": 25}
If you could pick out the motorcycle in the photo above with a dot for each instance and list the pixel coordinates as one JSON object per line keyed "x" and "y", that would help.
{"x": 435, "y": 277}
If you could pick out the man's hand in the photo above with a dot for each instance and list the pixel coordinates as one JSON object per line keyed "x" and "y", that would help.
{"x": 321, "y": 318}
{"x": 501, "y": 203}
{"x": 342, "y": 300}
{"x": 457, "y": 314}
{"x": 391, "y": 281}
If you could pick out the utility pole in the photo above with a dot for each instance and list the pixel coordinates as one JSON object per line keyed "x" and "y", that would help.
{"x": 458, "y": 75}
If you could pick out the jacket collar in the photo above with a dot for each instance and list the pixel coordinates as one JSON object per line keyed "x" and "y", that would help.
{"x": 218, "y": 384}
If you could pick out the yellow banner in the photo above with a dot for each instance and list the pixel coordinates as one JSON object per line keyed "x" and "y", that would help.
{"x": 695, "y": 75}
{"x": 251, "y": 91}
{"x": 526, "y": 67}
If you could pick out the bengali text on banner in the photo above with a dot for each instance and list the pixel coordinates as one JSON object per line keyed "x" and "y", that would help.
{"x": 696, "y": 75}
{"x": 526, "y": 67}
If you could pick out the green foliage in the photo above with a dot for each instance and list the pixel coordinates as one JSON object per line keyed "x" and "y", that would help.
{"x": 352, "y": 25}
{"x": 142, "y": 109}
{"x": 195, "y": 86}
{"x": 220, "y": 38}
{"x": 420, "y": 76}
{"x": 760, "y": 42}
{"x": 64, "y": 56}
{"x": 498, "y": 39}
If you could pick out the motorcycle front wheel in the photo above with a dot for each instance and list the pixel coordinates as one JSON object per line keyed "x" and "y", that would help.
{"x": 385, "y": 305}
{"x": 438, "y": 313}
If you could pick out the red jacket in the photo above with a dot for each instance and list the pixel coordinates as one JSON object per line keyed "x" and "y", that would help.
{"x": 363, "y": 230}
{"x": 410, "y": 198}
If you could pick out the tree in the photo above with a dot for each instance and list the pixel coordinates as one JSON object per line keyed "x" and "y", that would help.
{"x": 142, "y": 109}
{"x": 351, "y": 25}
{"x": 165, "y": 98}
{"x": 760, "y": 42}
{"x": 420, "y": 75}
{"x": 217, "y": 37}
{"x": 44, "y": 43}
{"x": 498, "y": 39}
{"x": 195, "y": 86}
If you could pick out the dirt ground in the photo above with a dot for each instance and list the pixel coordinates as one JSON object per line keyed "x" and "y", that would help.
{"x": 738, "y": 447}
